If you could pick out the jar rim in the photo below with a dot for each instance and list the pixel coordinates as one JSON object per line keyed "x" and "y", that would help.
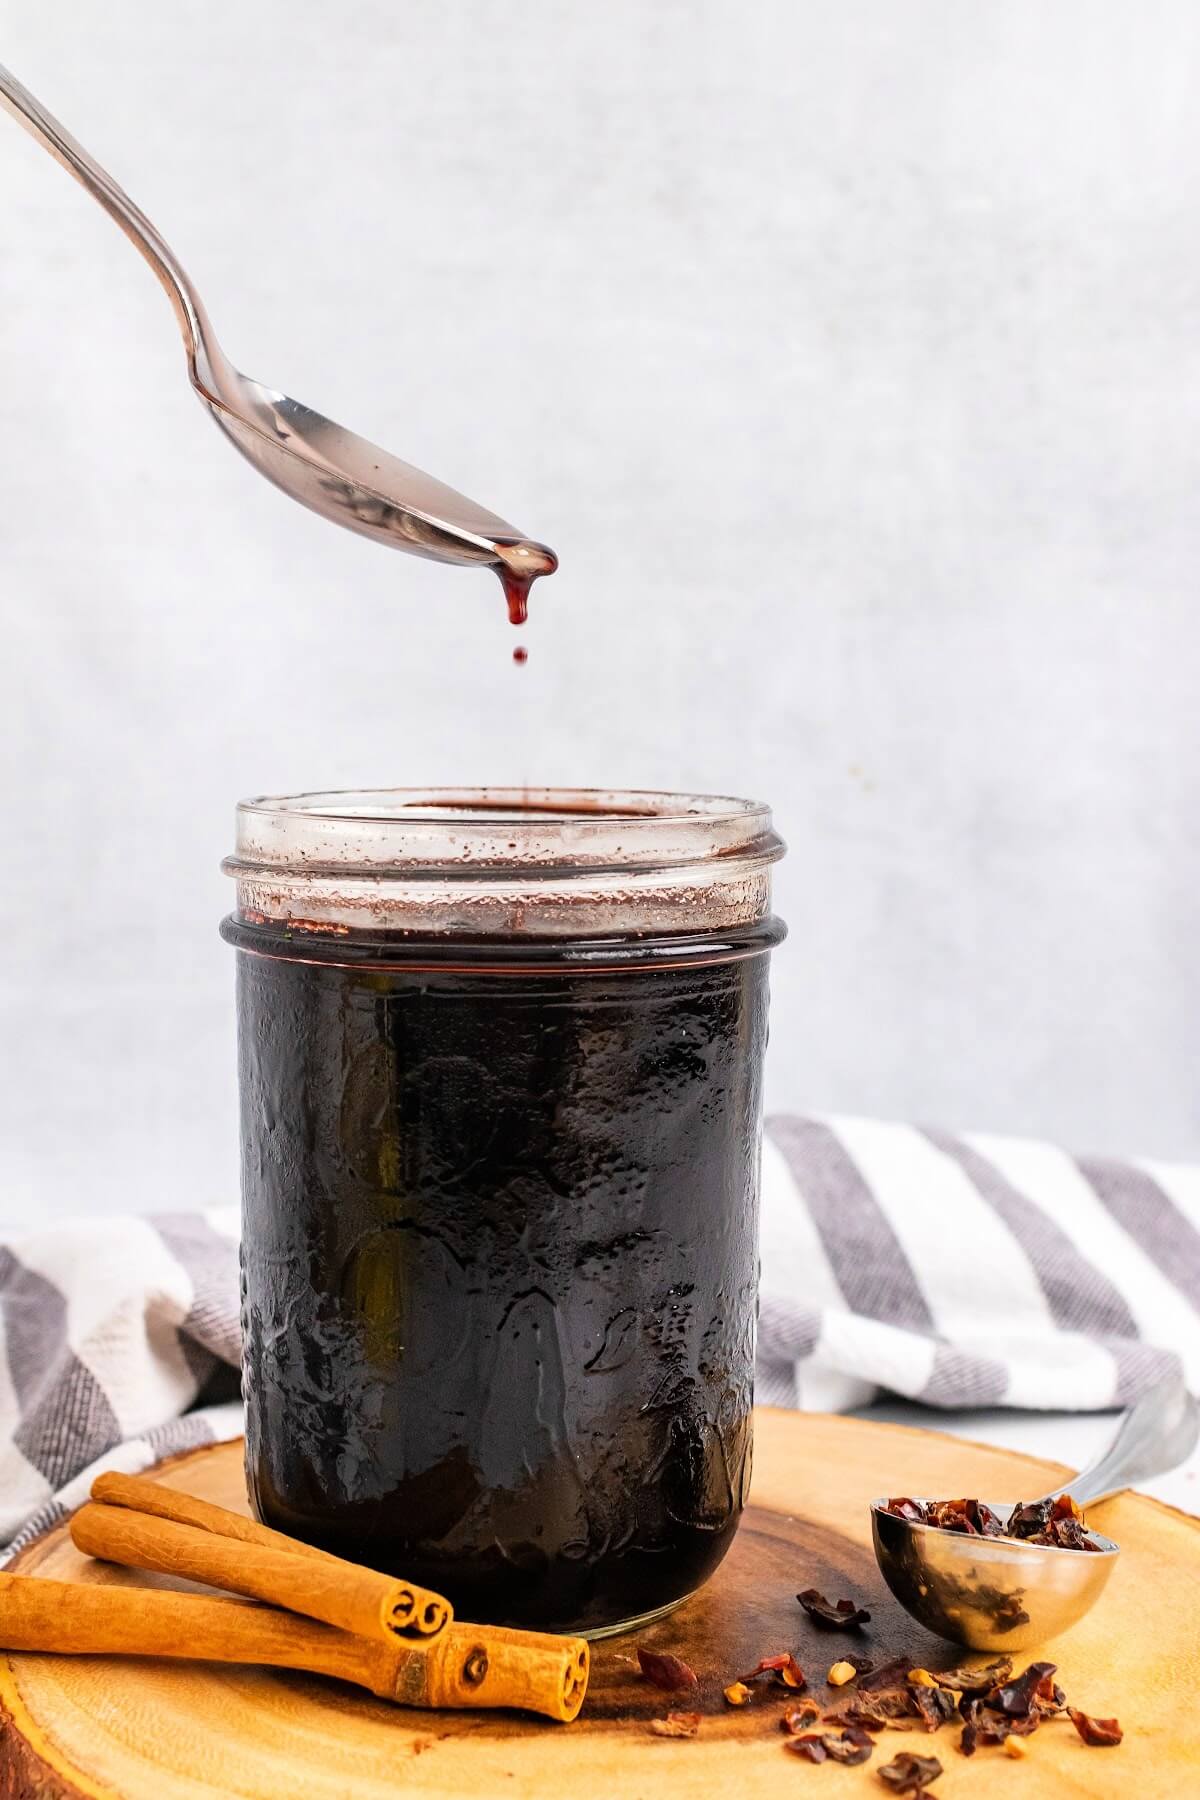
{"x": 460, "y": 858}
{"x": 484, "y": 805}
{"x": 380, "y": 828}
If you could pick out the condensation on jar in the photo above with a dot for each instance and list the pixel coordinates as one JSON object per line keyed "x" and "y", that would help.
{"x": 500, "y": 1073}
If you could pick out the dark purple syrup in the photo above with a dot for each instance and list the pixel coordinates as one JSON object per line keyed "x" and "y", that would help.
{"x": 499, "y": 1259}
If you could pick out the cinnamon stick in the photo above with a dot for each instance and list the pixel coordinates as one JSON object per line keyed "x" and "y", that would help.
{"x": 539, "y": 1671}
{"x": 457, "y": 1669}
{"x": 325, "y": 1588}
{"x": 413, "y": 1611}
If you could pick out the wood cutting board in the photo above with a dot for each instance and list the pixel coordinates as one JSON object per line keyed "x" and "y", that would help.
{"x": 130, "y": 1729}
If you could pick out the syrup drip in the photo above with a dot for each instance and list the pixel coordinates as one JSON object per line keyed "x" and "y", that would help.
{"x": 519, "y": 565}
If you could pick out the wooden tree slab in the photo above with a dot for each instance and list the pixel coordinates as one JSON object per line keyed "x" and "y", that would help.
{"x": 126, "y": 1729}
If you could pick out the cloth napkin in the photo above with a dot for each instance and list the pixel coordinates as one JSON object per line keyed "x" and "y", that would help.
{"x": 961, "y": 1272}
{"x": 970, "y": 1271}
{"x": 120, "y": 1346}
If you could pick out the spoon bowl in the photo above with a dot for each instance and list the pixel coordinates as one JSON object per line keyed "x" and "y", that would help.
{"x": 988, "y": 1593}
{"x": 995, "y": 1593}
{"x": 356, "y": 484}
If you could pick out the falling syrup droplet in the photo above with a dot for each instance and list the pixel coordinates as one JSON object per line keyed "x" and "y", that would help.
{"x": 520, "y": 654}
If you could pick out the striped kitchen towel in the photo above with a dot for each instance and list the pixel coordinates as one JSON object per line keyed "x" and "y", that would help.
{"x": 961, "y": 1272}
{"x": 970, "y": 1271}
{"x": 119, "y": 1346}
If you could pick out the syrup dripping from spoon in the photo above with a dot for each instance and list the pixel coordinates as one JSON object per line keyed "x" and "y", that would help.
{"x": 519, "y": 566}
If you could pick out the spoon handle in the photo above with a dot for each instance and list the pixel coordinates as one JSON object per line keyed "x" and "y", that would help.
{"x": 202, "y": 351}
{"x": 1157, "y": 1433}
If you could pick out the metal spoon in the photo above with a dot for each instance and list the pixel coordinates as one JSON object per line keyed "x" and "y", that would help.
{"x": 320, "y": 464}
{"x": 1001, "y": 1594}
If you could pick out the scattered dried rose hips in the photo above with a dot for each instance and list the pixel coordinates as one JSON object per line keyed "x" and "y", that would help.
{"x": 1101, "y": 1733}
{"x": 737, "y": 1694}
{"x": 844, "y": 1616}
{"x": 677, "y": 1725}
{"x": 666, "y": 1672}
{"x": 909, "y": 1774}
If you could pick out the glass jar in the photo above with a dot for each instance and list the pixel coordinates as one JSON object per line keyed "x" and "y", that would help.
{"x": 500, "y": 1070}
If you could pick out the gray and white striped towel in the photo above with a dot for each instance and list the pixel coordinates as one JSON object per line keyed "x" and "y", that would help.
{"x": 960, "y": 1272}
{"x": 973, "y": 1271}
{"x": 116, "y": 1331}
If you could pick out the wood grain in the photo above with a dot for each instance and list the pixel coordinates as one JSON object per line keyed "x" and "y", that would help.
{"x": 101, "y": 1729}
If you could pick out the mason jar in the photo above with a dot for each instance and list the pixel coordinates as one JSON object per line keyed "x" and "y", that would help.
{"x": 500, "y": 1072}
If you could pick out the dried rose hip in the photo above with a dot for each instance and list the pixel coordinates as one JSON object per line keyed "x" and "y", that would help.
{"x": 798, "y": 1718}
{"x": 1017, "y": 1698}
{"x": 737, "y": 1694}
{"x": 983, "y": 1729}
{"x": 934, "y": 1706}
{"x": 851, "y": 1747}
{"x": 978, "y": 1680}
{"x": 845, "y": 1616}
{"x": 666, "y": 1672}
{"x": 785, "y": 1668}
{"x": 677, "y": 1725}
{"x": 891, "y": 1674}
{"x": 891, "y": 1710}
{"x": 1101, "y": 1733}
{"x": 913, "y": 1510}
{"x": 1058, "y": 1523}
{"x": 1026, "y": 1521}
{"x": 810, "y": 1745}
{"x": 1049, "y": 1698}
{"x": 971, "y": 1517}
{"x": 909, "y": 1774}
{"x": 1010, "y": 1709}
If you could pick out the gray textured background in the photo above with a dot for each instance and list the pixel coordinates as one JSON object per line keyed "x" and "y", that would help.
{"x": 847, "y": 354}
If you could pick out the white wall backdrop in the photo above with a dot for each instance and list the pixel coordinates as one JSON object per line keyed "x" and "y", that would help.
{"x": 850, "y": 357}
